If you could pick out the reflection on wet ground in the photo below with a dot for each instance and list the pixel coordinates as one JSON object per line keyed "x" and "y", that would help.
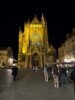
{"x": 31, "y": 86}
{"x": 5, "y": 79}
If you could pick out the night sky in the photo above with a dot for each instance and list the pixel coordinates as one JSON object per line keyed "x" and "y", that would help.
{"x": 13, "y": 14}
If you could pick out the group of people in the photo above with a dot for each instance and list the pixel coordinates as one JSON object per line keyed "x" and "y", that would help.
{"x": 59, "y": 75}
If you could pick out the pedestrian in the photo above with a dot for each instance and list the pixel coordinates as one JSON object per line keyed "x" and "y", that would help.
{"x": 55, "y": 76}
{"x": 14, "y": 72}
{"x": 72, "y": 77}
{"x": 36, "y": 68}
{"x": 63, "y": 76}
{"x": 46, "y": 73}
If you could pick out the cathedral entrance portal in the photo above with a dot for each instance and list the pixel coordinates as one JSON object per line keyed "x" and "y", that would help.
{"x": 35, "y": 60}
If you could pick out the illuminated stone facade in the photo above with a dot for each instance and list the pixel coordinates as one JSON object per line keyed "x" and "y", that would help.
{"x": 67, "y": 51}
{"x": 34, "y": 49}
{"x": 5, "y": 54}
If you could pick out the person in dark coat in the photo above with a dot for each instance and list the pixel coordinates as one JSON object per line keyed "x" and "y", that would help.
{"x": 14, "y": 72}
{"x": 72, "y": 77}
{"x": 63, "y": 76}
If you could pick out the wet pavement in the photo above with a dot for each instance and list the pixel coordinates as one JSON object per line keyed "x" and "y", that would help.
{"x": 31, "y": 86}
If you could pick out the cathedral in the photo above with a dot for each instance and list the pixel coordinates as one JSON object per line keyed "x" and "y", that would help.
{"x": 33, "y": 46}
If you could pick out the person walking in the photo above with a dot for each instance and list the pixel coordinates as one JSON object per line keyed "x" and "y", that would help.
{"x": 63, "y": 76}
{"x": 45, "y": 73}
{"x": 14, "y": 72}
{"x": 55, "y": 76}
{"x": 72, "y": 77}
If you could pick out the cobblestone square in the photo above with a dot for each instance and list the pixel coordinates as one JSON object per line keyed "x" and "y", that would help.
{"x": 31, "y": 86}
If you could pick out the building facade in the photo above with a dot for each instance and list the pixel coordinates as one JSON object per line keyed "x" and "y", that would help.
{"x": 6, "y": 54}
{"x": 33, "y": 44}
{"x": 66, "y": 53}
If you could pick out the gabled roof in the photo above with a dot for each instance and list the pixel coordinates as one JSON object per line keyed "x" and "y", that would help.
{"x": 35, "y": 19}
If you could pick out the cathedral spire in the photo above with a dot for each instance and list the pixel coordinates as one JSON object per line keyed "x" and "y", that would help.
{"x": 35, "y": 16}
{"x": 35, "y": 19}
{"x": 42, "y": 16}
{"x": 20, "y": 29}
{"x": 43, "y": 19}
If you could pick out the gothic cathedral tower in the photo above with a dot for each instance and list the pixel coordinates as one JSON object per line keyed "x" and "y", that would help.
{"x": 33, "y": 43}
